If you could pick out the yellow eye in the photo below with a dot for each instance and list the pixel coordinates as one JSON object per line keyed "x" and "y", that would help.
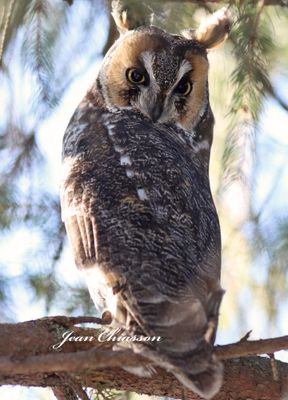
{"x": 135, "y": 76}
{"x": 184, "y": 87}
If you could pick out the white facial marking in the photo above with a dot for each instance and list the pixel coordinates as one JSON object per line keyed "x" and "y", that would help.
{"x": 125, "y": 160}
{"x": 148, "y": 59}
{"x": 142, "y": 194}
{"x": 185, "y": 67}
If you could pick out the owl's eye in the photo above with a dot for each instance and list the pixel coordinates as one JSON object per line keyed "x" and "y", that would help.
{"x": 184, "y": 87}
{"x": 135, "y": 76}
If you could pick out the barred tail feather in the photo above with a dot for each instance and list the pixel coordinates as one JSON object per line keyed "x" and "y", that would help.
{"x": 198, "y": 370}
{"x": 207, "y": 383}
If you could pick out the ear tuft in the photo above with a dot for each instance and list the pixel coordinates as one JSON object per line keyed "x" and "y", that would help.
{"x": 214, "y": 30}
{"x": 129, "y": 15}
{"x": 120, "y": 16}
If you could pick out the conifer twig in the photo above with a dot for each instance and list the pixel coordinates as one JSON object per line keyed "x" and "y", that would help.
{"x": 5, "y": 29}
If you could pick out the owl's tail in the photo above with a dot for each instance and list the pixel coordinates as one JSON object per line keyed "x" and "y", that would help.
{"x": 198, "y": 370}
{"x": 186, "y": 331}
{"x": 187, "y": 346}
{"x": 206, "y": 383}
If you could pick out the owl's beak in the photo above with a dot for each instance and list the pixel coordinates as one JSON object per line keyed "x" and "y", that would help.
{"x": 155, "y": 108}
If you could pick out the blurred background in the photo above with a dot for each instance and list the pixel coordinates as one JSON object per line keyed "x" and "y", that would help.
{"x": 50, "y": 51}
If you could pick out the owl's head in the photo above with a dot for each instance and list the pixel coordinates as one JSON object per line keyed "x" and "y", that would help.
{"x": 160, "y": 75}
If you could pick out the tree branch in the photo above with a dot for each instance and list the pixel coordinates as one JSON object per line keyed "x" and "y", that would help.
{"x": 71, "y": 362}
{"x": 100, "y": 359}
{"x": 27, "y": 358}
{"x": 251, "y": 347}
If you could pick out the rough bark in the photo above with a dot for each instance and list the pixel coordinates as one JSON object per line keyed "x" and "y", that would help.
{"x": 27, "y": 359}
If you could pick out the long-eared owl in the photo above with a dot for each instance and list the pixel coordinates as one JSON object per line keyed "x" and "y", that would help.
{"x": 136, "y": 197}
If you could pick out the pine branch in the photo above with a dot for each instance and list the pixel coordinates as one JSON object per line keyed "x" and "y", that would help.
{"x": 252, "y": 44}
{"x": 43, "y": 27}
{"x": 36, "y": 50}
{"x": 100, "y": 359}
{"x": 245, "y": 348}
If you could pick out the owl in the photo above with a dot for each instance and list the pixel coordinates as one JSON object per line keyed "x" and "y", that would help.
{"x": 136, "y": 199}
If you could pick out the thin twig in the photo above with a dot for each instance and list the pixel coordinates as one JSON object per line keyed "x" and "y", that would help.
{"x": 251, "y": 347}
{"x": 2, "y": 19}
{"x": 246, "y": 336}
{"x": 7, "y": 22}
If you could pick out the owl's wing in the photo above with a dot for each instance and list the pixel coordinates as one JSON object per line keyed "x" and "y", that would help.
{"x": 138, "y": 207}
